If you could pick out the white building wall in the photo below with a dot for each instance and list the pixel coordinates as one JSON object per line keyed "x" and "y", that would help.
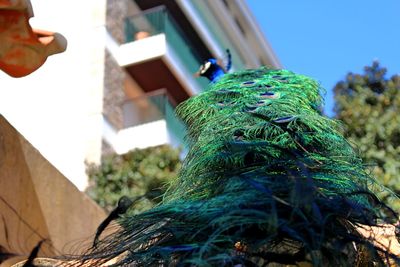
{"x": 58, "y": 107}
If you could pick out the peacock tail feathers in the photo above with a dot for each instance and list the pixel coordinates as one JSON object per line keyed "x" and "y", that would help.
{"x": 267, "y": 179}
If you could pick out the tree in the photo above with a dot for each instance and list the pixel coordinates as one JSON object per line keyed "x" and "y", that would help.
{"x": 134, "y": 174}
{"x": 368, "y": 104}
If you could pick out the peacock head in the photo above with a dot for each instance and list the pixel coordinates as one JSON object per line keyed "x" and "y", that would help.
{"x": 211, "y": 70}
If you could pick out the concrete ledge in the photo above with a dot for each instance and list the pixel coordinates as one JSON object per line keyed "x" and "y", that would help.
{"x": 37, "y": 202}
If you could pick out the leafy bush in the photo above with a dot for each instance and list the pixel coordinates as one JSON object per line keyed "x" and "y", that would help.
{"x": 136, "y": 173}
{"x": 369, "y": 106}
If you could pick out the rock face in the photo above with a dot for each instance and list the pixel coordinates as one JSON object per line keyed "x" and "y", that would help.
{"x": 41, "y": 262}
{"x": 23, "y": 49}
{"x": 37, "y": 202}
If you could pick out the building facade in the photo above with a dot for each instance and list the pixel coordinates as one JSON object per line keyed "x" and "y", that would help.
{"x": 127, "y": 65}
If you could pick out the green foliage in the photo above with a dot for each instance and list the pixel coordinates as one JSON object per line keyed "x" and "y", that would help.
{"x": 369, "y": 106}
{"x": 134, "y": 174}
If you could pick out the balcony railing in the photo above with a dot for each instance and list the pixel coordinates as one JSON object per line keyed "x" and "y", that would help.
{"x": 153, "y": 107}
{"x": 158, "y": 21}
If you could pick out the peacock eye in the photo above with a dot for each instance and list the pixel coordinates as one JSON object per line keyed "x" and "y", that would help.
{"x": 225, "y": 92}
{"x": 285, "y": 119}
{"x": 221, "y": 104}
{"x": 250, "y": 108}
{"x": 248, "y": 83}
{"x": 280, "y": 78}
{"x": 225, "y": 103}
{"x": 270, "y": 95}
{"x": 267, "y": 94}
{"x": 261, "y": 103}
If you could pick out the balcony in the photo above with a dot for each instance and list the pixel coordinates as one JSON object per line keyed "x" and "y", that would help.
{"x": 149, "y": 120}
{"x": 156, "y": 55}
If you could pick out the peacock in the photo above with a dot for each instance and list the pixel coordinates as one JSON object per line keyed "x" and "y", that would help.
{"x": 268, "y": 181}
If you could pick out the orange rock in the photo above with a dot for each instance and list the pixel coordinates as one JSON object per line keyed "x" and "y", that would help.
{"x": 22, "y": 49}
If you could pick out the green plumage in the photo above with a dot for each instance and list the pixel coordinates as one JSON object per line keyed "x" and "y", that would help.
{"x": 267, "y": 179}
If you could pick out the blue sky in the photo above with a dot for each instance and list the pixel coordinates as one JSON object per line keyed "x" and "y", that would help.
{"x": 328, "y": 39}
